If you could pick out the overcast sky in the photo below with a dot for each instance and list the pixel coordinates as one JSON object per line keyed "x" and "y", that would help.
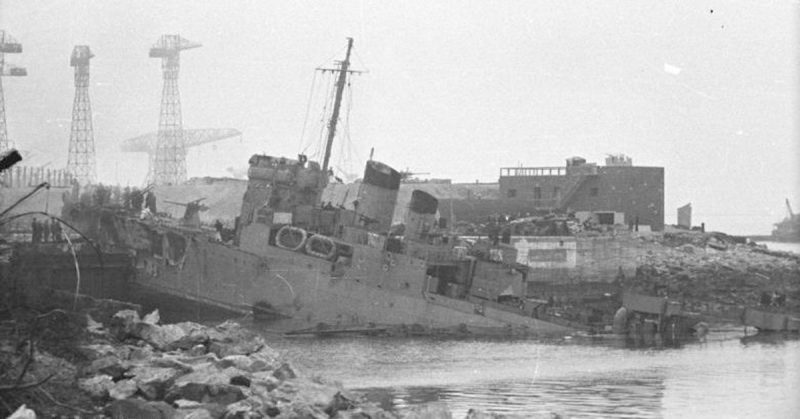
{"x": 706, "y": 89}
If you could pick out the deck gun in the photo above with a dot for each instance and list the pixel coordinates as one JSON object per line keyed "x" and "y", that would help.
{"x": 191, "y": 216}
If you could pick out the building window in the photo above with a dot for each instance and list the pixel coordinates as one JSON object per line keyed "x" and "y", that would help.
{"x": 593, "y": 192}
{"x": 537, "y": 193}
{"x": 512, "y": 193}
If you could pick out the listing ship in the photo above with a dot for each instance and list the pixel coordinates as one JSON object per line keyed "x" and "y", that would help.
{"x": 788, "y": 230}
{"x": 318, "y": 267}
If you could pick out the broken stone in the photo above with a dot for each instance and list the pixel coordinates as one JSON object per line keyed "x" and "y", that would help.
{"x": 23, "y": 413}
{"x": 224, "y": 349}
{"x": 187, "y": 391}
{"x": 93, "y": 326}
{"x": 204, "y": 412}
{"x": 272, "y": 411}
{"x": 302, "y": 410}
{"x": 241, "y": 362}
{"x": 338, "y": 403}
{"x": 97, "y": 386}
{"x": 284, "y": 372}
{"x": 134, "y": 408}
{"x": 243, "y": 409}
{"x": 109, "y": 365}
{"x": 209, "y": 374}
{"x": 103, "y": 310}
{"x": 96, "y": 351}
{"x": 325, "y": 398}
{"x": 224, "y": 394}
{"x": 123, "y": 324}
{"x": 264, "y": 359}
{"x": 195, "y": 334}
{"x": 163, "y": 338}
{"x": 152, "y": 318}
{"x": 206, "y": 393}
{"x": 252, "y": 363}
{"x": 153, "y": 382}
{"x": 240, "y": 380}
{"x": 265, "y": 380}
{"x": 197, "y": 350}
{"x": 169, "y": 361}
{"x": 167, "y": 411}
{"x": 365, "y": 412}
{"x": 123, "y": 389}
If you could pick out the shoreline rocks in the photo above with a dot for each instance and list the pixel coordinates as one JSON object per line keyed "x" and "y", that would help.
{"x": 132, "y": 366}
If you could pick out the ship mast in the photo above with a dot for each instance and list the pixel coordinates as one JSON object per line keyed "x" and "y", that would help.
{"x": 336, "y": 105}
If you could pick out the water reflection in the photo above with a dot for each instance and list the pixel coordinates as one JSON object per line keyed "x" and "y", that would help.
{"x": 769, "y": 338}
{"x": 725, "y": 376}
{"x": 614, "y": 397}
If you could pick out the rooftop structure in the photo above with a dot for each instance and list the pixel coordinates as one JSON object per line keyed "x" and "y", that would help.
{"x": 618, "y": 192}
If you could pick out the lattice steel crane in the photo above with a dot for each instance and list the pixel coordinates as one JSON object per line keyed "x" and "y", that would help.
{"x": 81, "y": 160}
{"x": 8, "y": 45}
{"x": 169, "y": 165}
{"x": 146, "y": 143}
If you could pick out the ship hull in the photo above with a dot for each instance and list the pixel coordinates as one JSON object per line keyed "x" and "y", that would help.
{"x": 298, "y": 291}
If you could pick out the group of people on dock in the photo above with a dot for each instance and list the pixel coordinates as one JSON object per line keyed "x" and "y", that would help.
{"x": 102, "y": 195}
{"x": 46, "y": 231}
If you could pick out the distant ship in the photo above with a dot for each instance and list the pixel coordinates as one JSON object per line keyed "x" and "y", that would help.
{"x": 315, "y": 267}
{"x": 787, "y": 230}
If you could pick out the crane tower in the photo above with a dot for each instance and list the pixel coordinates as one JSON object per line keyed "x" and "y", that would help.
{"x": 81, "y": 160}
{"x": 8, "y": 45}
{"x": 168, "y": 166}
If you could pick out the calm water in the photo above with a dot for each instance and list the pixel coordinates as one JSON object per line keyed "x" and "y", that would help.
{"x": 728, "y": 375}
{"x": 722, "y": 377}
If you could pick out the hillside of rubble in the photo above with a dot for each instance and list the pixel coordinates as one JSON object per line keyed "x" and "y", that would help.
{"x": 714, "y": 272}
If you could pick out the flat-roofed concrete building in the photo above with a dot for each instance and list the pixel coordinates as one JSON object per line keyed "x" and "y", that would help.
{"x": 617, "y": 193}
{"x": 685, "y": 216}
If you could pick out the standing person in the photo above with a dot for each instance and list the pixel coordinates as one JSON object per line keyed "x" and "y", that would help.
{"x": 126, "y": 197}
{"x": 56, "y": 229}
{"x": 46, "y": 230}
{"x": 36, "y": 231}
{"x": 150, "y": 202}
{"x": 136, "y": 199}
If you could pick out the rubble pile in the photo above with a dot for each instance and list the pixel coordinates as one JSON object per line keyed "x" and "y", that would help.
{"x": 713, "y": 270}
{"x": 134, "y": 367}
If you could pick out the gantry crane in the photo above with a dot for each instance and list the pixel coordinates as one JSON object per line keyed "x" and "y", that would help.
{"x": 191, "y": 137}
{"x": 169, "y": 165}
{"x": 8, "y": 45}
{"x": 81, "y": 160}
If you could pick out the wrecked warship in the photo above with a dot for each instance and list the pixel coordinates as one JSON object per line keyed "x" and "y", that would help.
{"x": 303, "y": 263}
{"x": 312, "y": 267}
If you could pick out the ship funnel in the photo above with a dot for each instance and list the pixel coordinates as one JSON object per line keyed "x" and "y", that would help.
{"x": 421, "y": 215}
{"x": 377, "y": 196}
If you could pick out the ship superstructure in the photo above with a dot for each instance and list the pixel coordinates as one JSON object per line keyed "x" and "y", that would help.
{"x": 310, "y": 265}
